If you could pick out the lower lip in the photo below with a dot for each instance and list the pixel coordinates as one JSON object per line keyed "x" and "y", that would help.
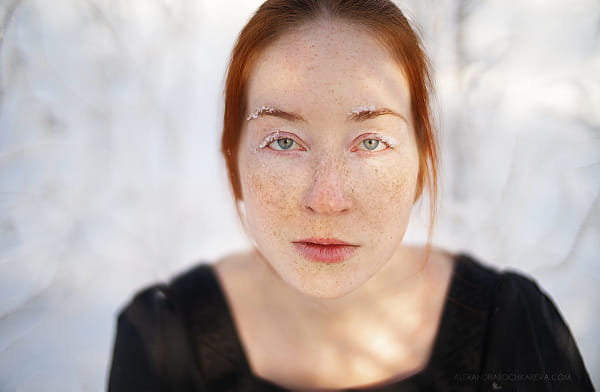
{"x": 325, "y": 253}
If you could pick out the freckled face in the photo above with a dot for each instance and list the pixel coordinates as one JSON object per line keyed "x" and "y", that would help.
{"x": 327, "y": 155}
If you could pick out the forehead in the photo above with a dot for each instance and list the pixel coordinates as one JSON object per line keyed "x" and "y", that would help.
{"x": 346, "y": 60}
{"x": 333, "y": 38}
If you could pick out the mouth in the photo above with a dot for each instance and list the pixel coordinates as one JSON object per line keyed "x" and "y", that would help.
{"x": 325, "y": 250}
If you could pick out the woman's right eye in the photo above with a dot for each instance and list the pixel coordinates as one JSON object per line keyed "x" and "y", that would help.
{"x": 284, "y": 144}
{"x": 282, "y": 141}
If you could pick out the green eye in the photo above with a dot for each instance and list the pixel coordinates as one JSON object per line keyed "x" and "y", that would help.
{"x": 285, "y": 143}
{"x": 370, "y": 144}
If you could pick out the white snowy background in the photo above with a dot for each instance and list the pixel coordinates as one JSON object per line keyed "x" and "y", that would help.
{"x": 110, "y": 176}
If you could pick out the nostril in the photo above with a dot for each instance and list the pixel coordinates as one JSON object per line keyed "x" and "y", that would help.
{"x": 327, "y": 193}
{"x": 327, "y": 197}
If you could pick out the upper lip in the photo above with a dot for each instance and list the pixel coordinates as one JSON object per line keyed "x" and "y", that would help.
{"x": 325, "y": 241}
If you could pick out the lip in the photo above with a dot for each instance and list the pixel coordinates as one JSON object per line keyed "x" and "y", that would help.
{"x": 325, "y": 250}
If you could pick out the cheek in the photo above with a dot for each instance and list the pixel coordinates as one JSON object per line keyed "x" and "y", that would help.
{"x": 386, "y": 188}
{"x": 270, "y": 188}
{"x": 382, "y": 191}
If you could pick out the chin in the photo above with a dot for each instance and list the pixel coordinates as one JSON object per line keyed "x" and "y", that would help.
{"x": 323, "y": 285}
{"x": 324, "y": 293}
{"x": 322, "y": 280}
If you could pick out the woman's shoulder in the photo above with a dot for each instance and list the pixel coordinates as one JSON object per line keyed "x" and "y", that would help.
{"x": 153, "y": 300}
{"x": 201, "y": 283}
{"x": 152, "y": 349}
{"x": 195, "y": 293}
{"x": 508, "y": 291}
{"x": 506, "y": 296}
{"x": 176, "y": 336}
{"x": 505, "y": 287}
{"x": 526, "y": 341}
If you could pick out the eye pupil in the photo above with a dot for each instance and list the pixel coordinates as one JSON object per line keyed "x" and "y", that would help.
{"x": 370, "y": 144}
{"x": 285, "y": 144}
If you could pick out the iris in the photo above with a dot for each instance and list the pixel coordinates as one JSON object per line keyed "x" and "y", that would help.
{"x": 285, "y": 144}
{"x": 370, "y": 144}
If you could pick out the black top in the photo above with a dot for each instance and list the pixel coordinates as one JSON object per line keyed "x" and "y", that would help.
{"x": 498, "y": 331}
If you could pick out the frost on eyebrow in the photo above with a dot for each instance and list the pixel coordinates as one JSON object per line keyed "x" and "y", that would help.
{"x": 361, "y": 113}
{"x": 259, "y": 111}
{"x": 357, "y": 111}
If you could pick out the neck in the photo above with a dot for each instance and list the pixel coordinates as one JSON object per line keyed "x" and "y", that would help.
{"x": 398, "y": 282}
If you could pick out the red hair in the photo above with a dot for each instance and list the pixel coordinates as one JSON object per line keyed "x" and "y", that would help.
{"x": 384, "y": 20}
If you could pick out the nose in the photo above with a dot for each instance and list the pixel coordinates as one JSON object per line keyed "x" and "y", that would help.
{"x": 326, "y": 194}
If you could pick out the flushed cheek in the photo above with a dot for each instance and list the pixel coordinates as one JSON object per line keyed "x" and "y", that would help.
{"x": 385, "y": 212}
{"x": 381, "y": 190}
{"x": 384, "y": 189}
{"x": 272, "y": 191}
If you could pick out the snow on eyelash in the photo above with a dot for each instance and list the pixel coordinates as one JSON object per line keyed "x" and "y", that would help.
{"x": 259, "y": 111}
{"x": 268, "y": 140}
{"x": 390, "y": 141}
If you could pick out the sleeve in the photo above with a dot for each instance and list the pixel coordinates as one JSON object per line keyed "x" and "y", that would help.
{"x": 529, "y": 345}
{"x": 152, "y": 352}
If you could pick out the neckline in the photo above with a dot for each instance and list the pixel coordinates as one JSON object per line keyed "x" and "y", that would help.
{"x": 441, "y": 343}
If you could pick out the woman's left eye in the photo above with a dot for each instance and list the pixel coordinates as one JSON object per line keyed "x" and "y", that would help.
{"x": 372, "y": 145}
{"x": 283, "y": 144}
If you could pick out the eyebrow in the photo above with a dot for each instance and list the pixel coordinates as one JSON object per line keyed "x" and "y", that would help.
{"x": 274, "y": 112}
{"x": 362, "y": 113}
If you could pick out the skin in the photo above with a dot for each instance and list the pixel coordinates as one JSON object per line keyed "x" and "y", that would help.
{"x": 329, "y": 185}
{"x": 324, "y": 188}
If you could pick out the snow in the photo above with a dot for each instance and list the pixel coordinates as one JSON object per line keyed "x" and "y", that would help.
{"x": 111, "y": 176}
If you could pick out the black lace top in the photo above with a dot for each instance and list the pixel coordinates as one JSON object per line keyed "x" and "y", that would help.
{"x": 498, "y": 332}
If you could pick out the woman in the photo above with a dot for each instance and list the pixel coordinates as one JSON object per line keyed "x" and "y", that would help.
{"x": 328, "y": 143}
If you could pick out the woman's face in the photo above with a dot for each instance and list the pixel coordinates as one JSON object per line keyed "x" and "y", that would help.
{"x": 328, "y": 160}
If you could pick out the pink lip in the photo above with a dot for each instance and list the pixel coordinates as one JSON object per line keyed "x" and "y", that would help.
{"x": 325, "y": 250}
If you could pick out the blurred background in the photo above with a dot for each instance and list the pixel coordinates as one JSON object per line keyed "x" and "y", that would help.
{"x": 111, "y": 179}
